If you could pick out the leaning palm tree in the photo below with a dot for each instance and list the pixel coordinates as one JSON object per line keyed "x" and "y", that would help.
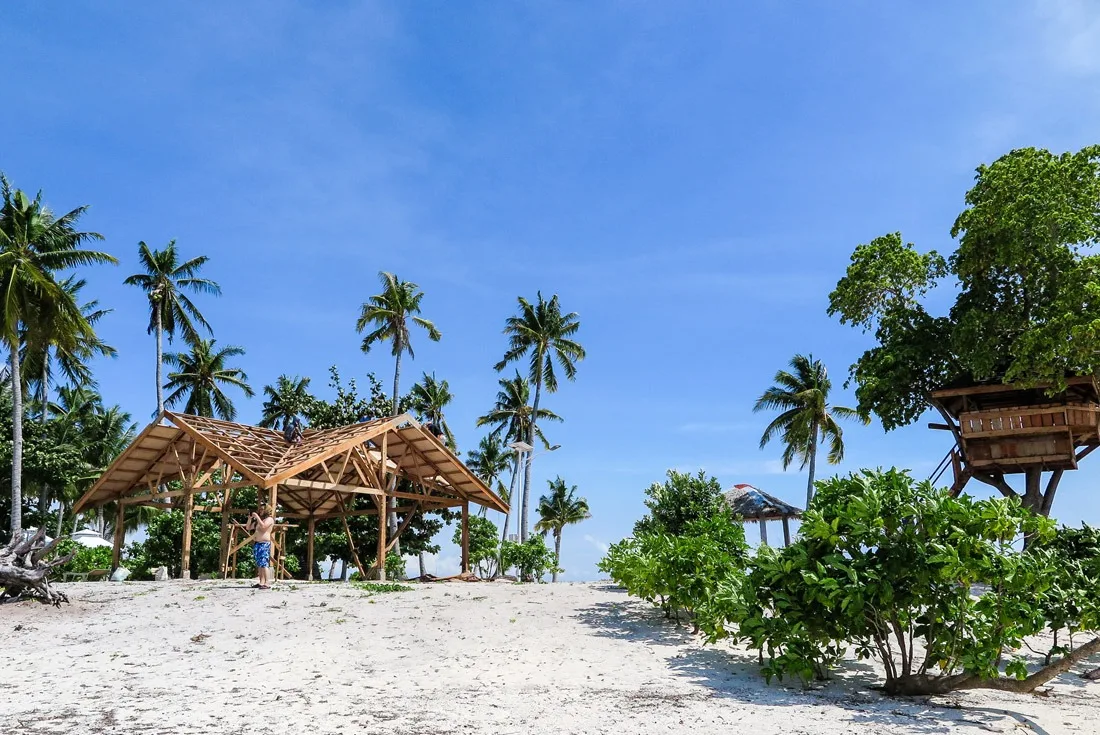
{"x": 542, "y": 331}
{"x": 389, "y": 315}
{"x": 807, "y": 419}
{"x": 430, "y": 397}
{"x": 556, "y": 511}
{"x": 489, "y": 461}
{"x": 34, "y": 246}
{"x": 170, "y": 311}
{"x": 286, "y": 401}
{"x": 199, "y": 377}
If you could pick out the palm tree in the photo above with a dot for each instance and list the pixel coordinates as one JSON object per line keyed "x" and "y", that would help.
{"x": 170, "y": 311}
{"x": 286, "y": 401}
{"x": 489, "y": 461}
{"x": 511, "y": 416}
{"x": 34, "y": 246}
{"x": 388, "y": 315}
{"x": 105, "y": 432}
{"x": 807, "y": 418}
{"x": 556, "y": 511}
{"x": 542, "y": 331}
{"x": 429, "y": 399}
{"x": 199, "y": 377}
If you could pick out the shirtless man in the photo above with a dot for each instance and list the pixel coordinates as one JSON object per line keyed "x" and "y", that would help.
{"x": 261, "y": 546}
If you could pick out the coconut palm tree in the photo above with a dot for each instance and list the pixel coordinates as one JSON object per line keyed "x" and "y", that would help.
{"x": 489, "y": 461}
{"x": 165, "y": 280}
{"x": 556, "y": 511}
{"x": 199, "y": 377}
{"x": 430, "y": 397}
{"x": 389, "y": 315}
{"x": 35, "y": 245}
{"x": 807, "y": 419}
{"x": 286, "y": 401}
{"x": 543, "y": 332}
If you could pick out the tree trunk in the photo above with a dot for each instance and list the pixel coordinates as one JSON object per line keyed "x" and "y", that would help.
{"x": 22, "y": 570}
{"x": 332, "y": 570}
{"x": 531, "y": 452}
{"x": 924, "y": 684}
{"x": 508, "y": 515}
{"x": 391, "y": 502}
{"x": 60, "y": 516}
{"x": 813, "y": 467}
{"x": 344, "y": 570}
{"x": 160, "y": 361}
{"x": 557, "y": 556}
{"x": 16, "y": 445}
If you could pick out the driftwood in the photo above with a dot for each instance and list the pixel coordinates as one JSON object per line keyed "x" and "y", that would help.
{"x": 23, "y": 573}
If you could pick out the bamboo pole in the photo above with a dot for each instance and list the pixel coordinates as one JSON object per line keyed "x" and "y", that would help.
{"x": 309, "y": 547}
{"x": 120, "y": 536}
{"x": 466, "y": 537}
{"x": 380, "y": 560}
{"x": 223, "y": 550}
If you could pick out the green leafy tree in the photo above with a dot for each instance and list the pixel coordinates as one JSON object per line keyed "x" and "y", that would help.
{"x": 557, "y": 510}
{"x": 287, "y": 400}
{"x": 200, "y": 376}
{"x": 388, "y": 316}
{"x": 483, "y": 543}
{"x": 678, "y": 501}
{"x": 545, "y": 335}
{"x": 35, "y": 245}
{"x": 1027, "y": 309}
{"x": 531, "y": 559}
{"x": 166, "y": 281}
{"x": 806, "y": 418}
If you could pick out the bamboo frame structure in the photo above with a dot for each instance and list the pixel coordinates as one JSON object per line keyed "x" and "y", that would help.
{"x": 311, "y": 480}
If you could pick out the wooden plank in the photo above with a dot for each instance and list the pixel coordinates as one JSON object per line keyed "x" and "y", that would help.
{"x": 188, "y": 510}
{"x": 404, "y": 524}
{"x": 120, "y": 536}
{"x": 380, "y": 558}
{"x": 465, "y": 537}
{"x": 137, "y": 442}
{"x": 351, "y": 542}
{"x": 310, "y": 530}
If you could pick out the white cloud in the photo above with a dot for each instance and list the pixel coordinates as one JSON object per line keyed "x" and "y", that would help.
{"x": 600, "y": 546}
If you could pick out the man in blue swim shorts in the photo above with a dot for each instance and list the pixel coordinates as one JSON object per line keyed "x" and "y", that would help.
{"x": 261, "y": 547}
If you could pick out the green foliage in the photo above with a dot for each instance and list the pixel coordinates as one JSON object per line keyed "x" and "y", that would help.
{"x": 1067, "y": 604}
{"x": 531, "y": 558}
{"x": 163, "y": 546}
{"x": 681, "y": 572}
{"x": 884, "y": 563}
{"x": 681, "y": 499}
{"x": 1028, "y": 306}
{"x": 348, "y": 407}
{"x": 86, "y": 559}
{"x": 382, "y": 587}
{"x": 484, "y": 541}
{"x": 199, "y": 379}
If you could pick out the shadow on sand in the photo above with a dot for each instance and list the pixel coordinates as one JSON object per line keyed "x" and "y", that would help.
{"x": 734, "y": 673}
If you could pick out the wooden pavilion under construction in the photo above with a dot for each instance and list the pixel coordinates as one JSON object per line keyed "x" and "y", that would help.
{"x": 179, "y": 457}
{"x": 1004, "y": 429}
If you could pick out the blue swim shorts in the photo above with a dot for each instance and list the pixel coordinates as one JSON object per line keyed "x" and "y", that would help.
{"x": 261, "y": 551}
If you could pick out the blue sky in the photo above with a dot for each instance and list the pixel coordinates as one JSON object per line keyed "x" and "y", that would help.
{"x": 690, "y": 177}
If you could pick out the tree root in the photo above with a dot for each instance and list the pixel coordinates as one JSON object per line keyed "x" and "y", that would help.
{"x": 24, "y": 574}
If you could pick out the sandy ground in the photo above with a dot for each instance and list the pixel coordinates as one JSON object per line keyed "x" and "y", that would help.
{"x": 218, "y": 657}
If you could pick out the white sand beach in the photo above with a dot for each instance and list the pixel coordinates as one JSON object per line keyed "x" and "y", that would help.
{"x": 218, "y": 657}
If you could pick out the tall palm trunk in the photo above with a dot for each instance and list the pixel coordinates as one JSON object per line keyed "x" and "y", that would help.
{"x": 508, "y": 515}
{"x": 160, "y": 363}
{"x": 531, "y": 452}
{"x": 16, "y": 444}
{"x": 391, "y": 503}
{"x": 813, "y": 466}
{"x": 44, "y": 491}
{"x": 557, "y": 555}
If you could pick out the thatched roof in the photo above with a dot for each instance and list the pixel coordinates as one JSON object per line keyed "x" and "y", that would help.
{"x": 754, "y": 504}
{"x": 313, "y": 477}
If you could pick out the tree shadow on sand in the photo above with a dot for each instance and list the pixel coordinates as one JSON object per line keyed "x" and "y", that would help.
{"x": 734, "y": 673}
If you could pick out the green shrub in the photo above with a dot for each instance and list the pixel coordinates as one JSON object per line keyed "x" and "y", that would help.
{"x": 484, "y": 543}
{"x": 86, "y": 559}
{"x": 531, "y": 558}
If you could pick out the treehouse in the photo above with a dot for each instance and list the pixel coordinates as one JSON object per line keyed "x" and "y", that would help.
{"x": 1002, "y": 429}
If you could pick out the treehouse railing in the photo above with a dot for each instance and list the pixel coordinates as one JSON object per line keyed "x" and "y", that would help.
{"x": 1029, "y": 420}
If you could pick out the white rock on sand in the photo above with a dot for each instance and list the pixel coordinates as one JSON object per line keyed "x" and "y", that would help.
{"x": 218, "y": 657}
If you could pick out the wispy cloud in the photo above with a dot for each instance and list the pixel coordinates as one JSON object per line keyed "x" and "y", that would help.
{"x": 600, "y": 546}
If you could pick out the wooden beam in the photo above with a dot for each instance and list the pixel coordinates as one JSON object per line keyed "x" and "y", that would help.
{"x": 786, "y": 532}
{"x": 404, "y": 524}
{"x": 223, "y": 544}
{"x": 311, "y": 528}
{"x": 351, "y": 542}
{"x": 940, "y": 427}
{"x": 380, "y": 559}
{"x": 466, "y": 537}
{"x": 120, "y": 536}
{"x": 320, "y": 485}
{"x": 188, "y": 510}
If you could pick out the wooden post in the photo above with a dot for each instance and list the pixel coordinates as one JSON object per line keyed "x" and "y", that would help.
{"x": 347, "y": 532}
{"x": 223, "y": 551}
{"x": 188, "y": 509}
{"x": 380, "y": 559}
{"x": 120, "y": 535}
{"x": 465, "y": 536}
{"x": 763, "y": 532}
{"x": 786, "y": 532}
{"x": 309, "y": 547}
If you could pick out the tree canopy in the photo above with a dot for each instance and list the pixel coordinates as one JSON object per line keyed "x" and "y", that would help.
{"x": 1027, "y": 308}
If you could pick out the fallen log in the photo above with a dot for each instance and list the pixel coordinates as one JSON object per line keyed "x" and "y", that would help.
{"x": 24, "y": 574}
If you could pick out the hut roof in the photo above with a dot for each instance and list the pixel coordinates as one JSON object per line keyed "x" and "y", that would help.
{"x": 755, "y": 504}
{"x": 313, "y": 476}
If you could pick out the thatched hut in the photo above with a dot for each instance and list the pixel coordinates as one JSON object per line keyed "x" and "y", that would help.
{"x": 753, "y": 504}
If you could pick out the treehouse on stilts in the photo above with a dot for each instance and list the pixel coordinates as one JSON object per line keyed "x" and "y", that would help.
{"x": 196, "y": 464}
{"x": 1002, "y": 430}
